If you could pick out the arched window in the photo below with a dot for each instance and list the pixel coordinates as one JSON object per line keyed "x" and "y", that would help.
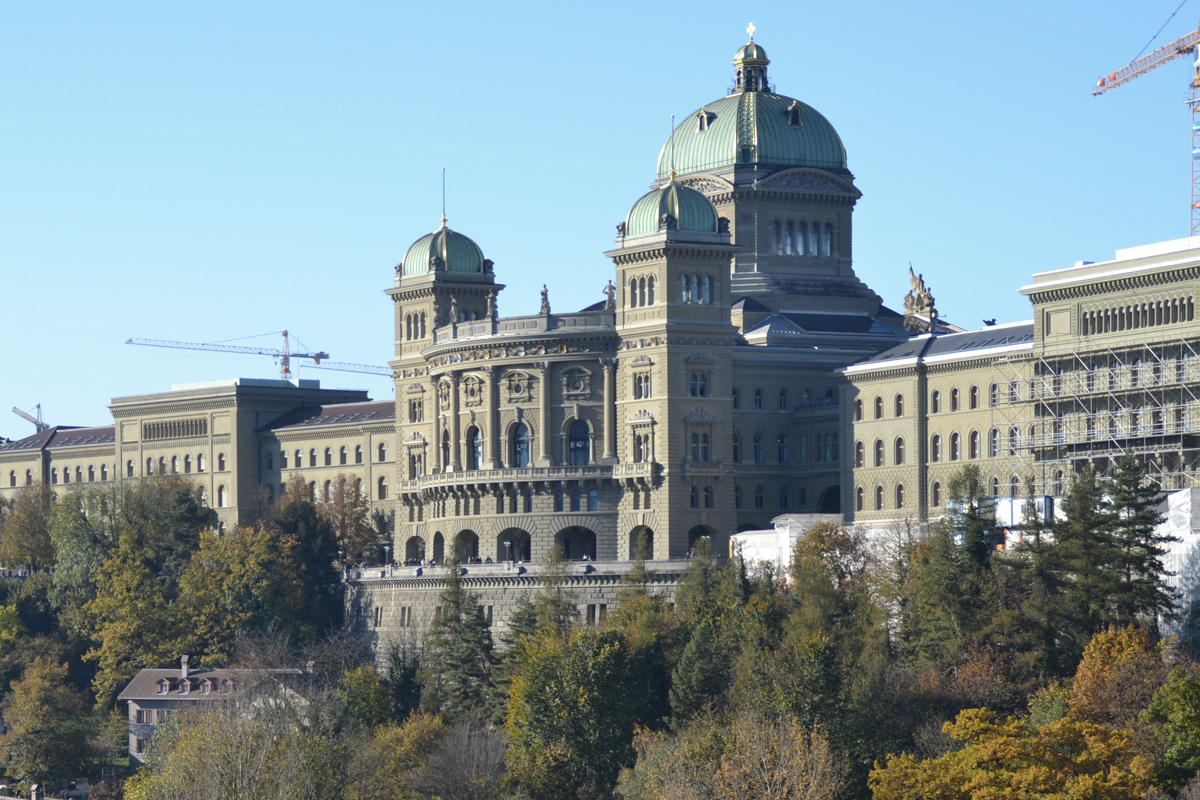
{"x": 103, "y": 474}
{"x": 802, "y": 239}
{"x": 804, "y": 448}
{"x": 789, "y": 234}
{"x": 708, "y": 291}
{"x": 633, "y": 292}
{"x": 579, "y": 444}
{"x": 187, "y": 463}
{"x": 760, "y": 497}
{"x": 327, "y": 492}
{"x": 858, "y": 410}
{"x": 54, "y": 476}
{"x": 559, "y": 500}
{"x": 859, "y": 499}
{"x": 521, "y": 446}
{"x": 994, "y": 394}
{"x": 973, "y": 445}
{"x": 935, "y": 402}
{"x": 709, "y": 500}
{"x": 91, "y": 474}
{"x": 342, "y": 455}
{"x": 162, "y": 466}
{"x": 935, "y": 448}
{"x": 783, "y": 448}
{"x": 381, "y": 492}
{"x": 358, "y": 455}
{"x": 954, "y": 399}
{"x": 777, "y": 237}
{"x": 878, "y": 498}
{"x": 650, "y": 290}
{"x": 383, "y": 451}
{"x": 955, "y": 446}
{"x": 859, "y": 454}
{"x": 737, "y": 497}
{"x": 737, "y": 399}
{"x": 1058, "y": 483}
{"x": 758, "y": 399}
{"x": 684, "y": 294}
{"x": 129, "y": 468}
{"x": 221, "y": 496}
{"x": 737, "y": 448}
{"x": 641, "y": 292}
{"x": 1014, "y": 440}
{"x": 783, "y": 399}
{"x": 879, "y": 452}
{"x": 936, "y": 494}
{"x": 899, "y": 454}
{"x": 974, "y": 397}
{"x": 174, "y": 464}
{"x": 694, "y": 496}
{"x": 312, "y": 458}
{"x": 899, "y": 405}
{"x": 474, "y": 448}
{"x": 329, "y": 456}
{"x": 878, "y": 408}
{"x": 899, "y": 495}
{"x": 1014, "y": 487}
{"x": 995, "y": 487}
{"x": 593, "y": 500}
{"x": 576, "y": 499}
{"x": 758, "y": 448}
{"x": 827, "y": 240}
{"x": 783, "y": 498}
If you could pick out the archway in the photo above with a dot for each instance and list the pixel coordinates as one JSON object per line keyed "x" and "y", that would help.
{"x": 513, "y": 544}
{"x": 466, "y": 546}
{"x": 697, "y": 533}
{"x": 641, "y": 541}
{"x": 718, "y": 542}
{"x": 578, "y": 543}
{"x": 830, "y": 501}
{"x": 414, "y": 551}
{"x": 439, "y": 547}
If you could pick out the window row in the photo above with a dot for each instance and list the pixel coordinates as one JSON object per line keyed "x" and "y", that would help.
{"x": 803, "y": 238}
{"x": 174, "y": 465}
{"x": 696, "y": 289}
{"x": 825, "y": 448}
{"x": 414, "y": 326}
{"x": 1136, "y": 316}
{"x": 641, "y": 291}
{"x": 784, "y": 498}
{"x": 577, "y": 499}
{"x": 781, "y": 401}
{"x": 897, "y": 407}
{"x": 955, "y": 399}
{"x": 877, "y": 498}
{"x": 325, "y": 459}
{"x": 66, "y": 475}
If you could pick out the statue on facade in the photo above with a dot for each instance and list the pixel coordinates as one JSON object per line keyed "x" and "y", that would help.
{"x": 491, "y": 304}
{"x": 610, "y": 292}
{"x": 919, "y": 312}
{"x": 545, "y": 309}
{"x": 453, "y": 309}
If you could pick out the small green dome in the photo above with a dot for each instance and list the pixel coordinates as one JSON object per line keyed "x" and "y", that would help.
{"x": 443, "y": 250}
{"x": 753, "y": 127}
{"x": 688, "y": 211}
{"x": 751, "y": 51}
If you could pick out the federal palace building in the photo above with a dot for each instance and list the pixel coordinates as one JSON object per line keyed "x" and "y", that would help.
{"x": 737, "y": 371}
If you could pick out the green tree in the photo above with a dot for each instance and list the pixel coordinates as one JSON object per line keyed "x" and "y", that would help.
{"x": 969, "y": 516}
{"x": 1141, "y": 594}
{"x": 48, "y": 724}
{"x": 1176, "y": 709}
{"x": 364, "y": 693}
{"x": 1082, "y": 562}
{"x": 348, "y": 512}
{"x": 570, "y": 716}
{"x": 313, "y": 558}
{"x": 555, "y": 611}
{"x": 84, "y": 530}
{"x": 25, "y": 539}
{"x": 456, "y": 670}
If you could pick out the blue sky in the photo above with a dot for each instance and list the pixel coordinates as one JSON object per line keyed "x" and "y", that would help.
{"x": 211, "y": 171}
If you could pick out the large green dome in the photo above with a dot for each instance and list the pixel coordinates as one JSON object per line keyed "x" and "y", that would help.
{"x": 443, "y": 250}
{"x": 752, "y": 126}
{"x": 671, "y": 207}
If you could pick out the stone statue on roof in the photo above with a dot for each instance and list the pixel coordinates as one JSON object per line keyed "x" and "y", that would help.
{"x": 919, "y": 312}
{"x": 545, "y": 309}
{"x": 453, "y": 309}
{"x": 610, "y": 292}
{"x": 491, "y": 304}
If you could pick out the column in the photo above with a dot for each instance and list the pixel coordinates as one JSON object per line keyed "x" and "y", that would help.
{"x": 436, "y": 412}
{"x": 544, "y": 435}
{"x": 610, "y": 409}
{"x": 493, "y": 390}
{"x": 455, "y": 433}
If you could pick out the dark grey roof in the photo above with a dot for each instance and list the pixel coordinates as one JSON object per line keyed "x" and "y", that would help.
{"x": 927, "y": 346}
{"x": 62, "y": 436}
{"x": 338, "y": 414}
{"x": 146, "y": 685}
{"x": 749, "y": 304}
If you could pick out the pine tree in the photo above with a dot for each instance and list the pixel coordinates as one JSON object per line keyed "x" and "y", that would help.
{"x": 456, "y": 671}
{"x": 1081, "y": 563}
{"x": 1140, "y": 593}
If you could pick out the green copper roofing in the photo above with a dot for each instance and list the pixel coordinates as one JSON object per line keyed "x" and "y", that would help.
{"x": 753, "y": 128}
{"x": 751, "y": 51}
{"x": 443, "y": 250}
{"x": 690, "y": 210}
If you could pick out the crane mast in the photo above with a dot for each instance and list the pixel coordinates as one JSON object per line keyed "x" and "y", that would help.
{"x": 1184, "y": 45}
{"x": 36, "y": 420}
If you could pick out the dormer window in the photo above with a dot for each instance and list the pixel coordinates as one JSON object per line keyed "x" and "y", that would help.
{"x": 793, "y": 113}
{"x": 206, "y": 687}
{"x": 703, "y": 119}
{"x": 185, "y": 687}
{"x": 164, "y": 687}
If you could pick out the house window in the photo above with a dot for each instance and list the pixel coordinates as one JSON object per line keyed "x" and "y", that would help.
{"x": 220, "y": 497}
{"x": 758, "y": 448}
{"x": 382, "y": 492}
{"x": 973, "y": 445}
{"x": 474, "y": 448}
{"x": 383, "y": 451}
{"x": 737, "y": 450}
{"x": 858, "y": 410}
{"x": 935, "y": 402}
{"x": 783, "y": 399}
{"x": 994, "y": 394}
{"x": 700, "y": 447}
{"x": 783, "y": 498}
{"x": 955, "y": 447}
{"x": 994, "y": 443}
{"x": 220, "y": 462}
{"x": 878, "y": 498}
{"x": 859, "y": 454}
{"x": 899, "y": 405}
{"x": 859, "y": 499}
{"x": 579, "y": 444}
{"x": 878, "y": 408}
{"x": 758, "y": 399}
{"x": 698, "y": 384}
{"x": 358, "y": 455}
{"x": 129, "y": 468}
{"x": 593, "y": 500}
{"x": 954, "y": 399}
{"x": 521, "y": 445}
{"x": 936, "y": 494}
{"x": 576, "y": 499}
{"x": 783, "y": 449}
{"x": 329, "y": 456}
{"x": 879, "y": 452}
{"x": 760, "y": 497}
{"x": 900, "y": 495}
{"x": 737, "y": 497}
{"x": 899, "y": 451}
{"x": 694, "y": 494}
{"x": 974, "y": 397}
{"x": 737, "y": 399}
{"x": 709, "y": 500}
{"x": 935, "y": 448}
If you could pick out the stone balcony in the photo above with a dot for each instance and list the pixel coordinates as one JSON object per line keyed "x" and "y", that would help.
{"x": 483, "y": 477}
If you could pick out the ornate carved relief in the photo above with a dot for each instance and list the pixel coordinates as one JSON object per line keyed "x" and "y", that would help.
{"x": 577, "y": 384}
{"x": 698, "y": 358}
{"x": 700, "y": 414}
{"x": 472, "y": 392}
{"x": 519, "y": 387}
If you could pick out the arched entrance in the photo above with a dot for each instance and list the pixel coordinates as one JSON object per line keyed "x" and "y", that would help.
{"x": 439, "y": 548}
{"x": 578, "y": 543}
{"x": 466, "y": 546}
{"x": 831, "y": 501}
{"x": 414, "y": 551}
{"x": 513, "y": 545}
{"x": 641, "y": 541}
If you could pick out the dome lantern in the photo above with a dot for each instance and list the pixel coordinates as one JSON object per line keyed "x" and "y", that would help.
{"x": 750, "y": 67}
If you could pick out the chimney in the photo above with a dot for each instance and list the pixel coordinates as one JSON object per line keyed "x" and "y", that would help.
{"x": 183, "y": 667}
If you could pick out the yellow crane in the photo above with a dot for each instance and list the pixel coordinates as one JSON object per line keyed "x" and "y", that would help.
{"x": 1184, "y": 45}
{"x": 285, "y": 355}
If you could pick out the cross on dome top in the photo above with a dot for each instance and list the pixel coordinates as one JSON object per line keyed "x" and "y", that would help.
{"x": 750, "y": 30}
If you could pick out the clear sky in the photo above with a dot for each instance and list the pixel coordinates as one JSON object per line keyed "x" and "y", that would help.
{"x": 211, "y": 171}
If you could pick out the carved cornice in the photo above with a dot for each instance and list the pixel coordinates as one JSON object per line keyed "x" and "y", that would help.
{"x": 1115, "y": 285}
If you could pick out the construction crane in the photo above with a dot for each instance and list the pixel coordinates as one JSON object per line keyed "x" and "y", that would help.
{"x": 1182, "y": 46}
{"x": 342, "y": 366}
{"x": 285, "y": 355}
{"x": 36, "y": 420}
